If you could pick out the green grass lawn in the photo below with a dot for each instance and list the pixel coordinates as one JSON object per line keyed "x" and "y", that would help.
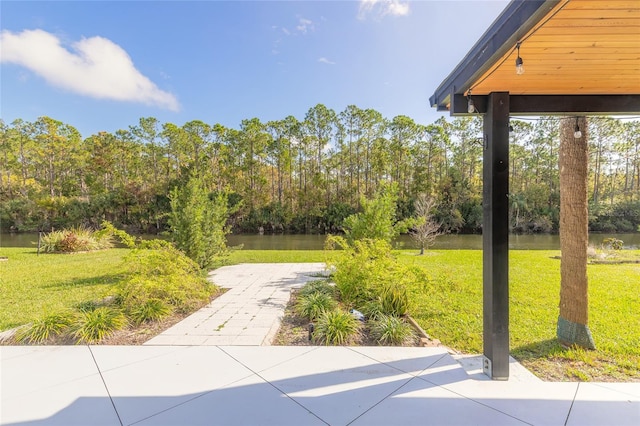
{"x": 276, "y": 256}
{"x": 448, "y": 306}
{"x": 31, "y": 285}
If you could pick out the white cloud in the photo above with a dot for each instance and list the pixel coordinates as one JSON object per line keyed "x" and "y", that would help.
{"x": 286, "y": 31}
{"x": 94, "y": 67}
{"x": 305, "y": 25}
{"x": 381, "y": 8}
{"x": 397, "y": 8}
{"x": 326, "y": 61}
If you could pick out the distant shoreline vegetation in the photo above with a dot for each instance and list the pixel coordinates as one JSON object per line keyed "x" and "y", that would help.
{"x": 303, "y": 176}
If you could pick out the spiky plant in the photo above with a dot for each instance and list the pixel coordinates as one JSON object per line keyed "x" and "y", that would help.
{"x": 98, "y": 324}
{"x": 318, "y": 286}
{"x": 394, "y": 299}
{"x": 336, "y": 328}
{"x": 150, "y": 310}
{"x": 74, "y": 240}
{"x": 42, "y": 329}
{"x": 390, "y": 330}
{"x": 314, "y": 305}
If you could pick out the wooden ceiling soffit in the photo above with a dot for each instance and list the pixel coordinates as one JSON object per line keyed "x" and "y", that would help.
{"x": 582, "y": 47}
{"x": 517, "y": 19}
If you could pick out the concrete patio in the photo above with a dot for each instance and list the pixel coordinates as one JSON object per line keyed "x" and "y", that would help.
{"x": 243, "y": 385}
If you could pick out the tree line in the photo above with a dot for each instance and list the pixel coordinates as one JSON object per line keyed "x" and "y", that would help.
{"x": 304, "y": 175}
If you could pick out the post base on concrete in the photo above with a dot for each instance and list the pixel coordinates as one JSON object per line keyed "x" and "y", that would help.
{"x": 487, "y": 369}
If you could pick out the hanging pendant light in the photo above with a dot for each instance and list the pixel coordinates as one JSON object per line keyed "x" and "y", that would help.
{"x": 519, "y": 61}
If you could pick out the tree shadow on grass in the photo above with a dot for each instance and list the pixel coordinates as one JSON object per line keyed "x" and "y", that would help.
{"x": 105, "y": 279}
{"x": 537, "y": 350}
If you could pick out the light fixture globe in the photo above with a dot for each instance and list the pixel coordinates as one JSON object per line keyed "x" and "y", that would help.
{"x": 577, "y": 133}
{"x": 471, "y": 107}
{"x": 519, "y": 61}
{"x": 519, "y": 66}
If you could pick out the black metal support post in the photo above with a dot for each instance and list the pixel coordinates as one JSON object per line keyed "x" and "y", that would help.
{"x": 495, "y": 237}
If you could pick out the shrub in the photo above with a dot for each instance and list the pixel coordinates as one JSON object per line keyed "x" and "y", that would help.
{"x": 42, "y": 329}
{"x": 358, "y": 268}
{"x": 198, "y": 222}
{"x": 369, "y": 277}
{"x": 336, "y": 328}
{"x": 628, "y": 214}
{"x": 391, "y": 330}
{"x": 612, "y": 244}
{"x": 95, "y": 325}
{"x": 378, "y": 218}
{"x": 109, "y": 231}
{"x": 314, "y": 305}
{"x": 150, "y": 310}
{"x": 623, "y": 225}
{"x": 166, "y": 275}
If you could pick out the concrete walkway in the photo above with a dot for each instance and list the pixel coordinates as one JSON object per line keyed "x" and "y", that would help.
{"x": 190, "y": 380}
{"x": 250, "y": 312}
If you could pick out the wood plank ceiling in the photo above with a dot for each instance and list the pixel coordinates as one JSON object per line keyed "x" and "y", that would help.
{"x": 582, "y": 47}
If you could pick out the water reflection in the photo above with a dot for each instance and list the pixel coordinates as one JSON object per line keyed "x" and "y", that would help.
{"x": 316, "y": 242}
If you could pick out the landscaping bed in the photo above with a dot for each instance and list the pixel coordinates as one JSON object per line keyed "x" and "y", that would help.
{"x": 138, "y": 294}
{"x": 294, "y": 330}
{"x": 132, "y": 335}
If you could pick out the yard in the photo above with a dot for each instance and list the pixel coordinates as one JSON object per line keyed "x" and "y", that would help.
{"x": 448, "y": 306}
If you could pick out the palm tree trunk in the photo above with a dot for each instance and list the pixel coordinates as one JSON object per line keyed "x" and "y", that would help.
{"x": 572, "y": 323}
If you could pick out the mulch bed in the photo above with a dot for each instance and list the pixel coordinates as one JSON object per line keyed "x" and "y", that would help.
{"x": 294, "y": 330}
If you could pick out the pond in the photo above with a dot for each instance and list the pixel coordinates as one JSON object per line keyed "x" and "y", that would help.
{"x": 316, "y": 242}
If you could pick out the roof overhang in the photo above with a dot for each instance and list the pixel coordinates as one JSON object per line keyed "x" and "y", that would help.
{"x": 580, "y": 57}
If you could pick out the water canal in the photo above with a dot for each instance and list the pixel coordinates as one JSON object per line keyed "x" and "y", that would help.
{"x": 316, "y": 242}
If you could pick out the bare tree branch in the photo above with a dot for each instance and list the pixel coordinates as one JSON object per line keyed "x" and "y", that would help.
{"x": 427, "y": 229}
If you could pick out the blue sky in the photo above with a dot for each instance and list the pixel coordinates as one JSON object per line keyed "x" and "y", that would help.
{"x": 103, "y": 65}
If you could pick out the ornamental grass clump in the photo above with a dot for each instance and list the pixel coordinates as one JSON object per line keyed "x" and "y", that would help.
{"x": 42, "y": 329}
{"x": 372, "y": 309}
{"x": 75, "y": 240}
{"x": 390, "y": 330}
{"x": 95, "y": 325}
{"x": 313, "y": 305}
{"x": 318, "y": 286}
{"x": 336, "y": 328}
{"x": 394, "y": 299}
{"x": 150, "y": 310}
